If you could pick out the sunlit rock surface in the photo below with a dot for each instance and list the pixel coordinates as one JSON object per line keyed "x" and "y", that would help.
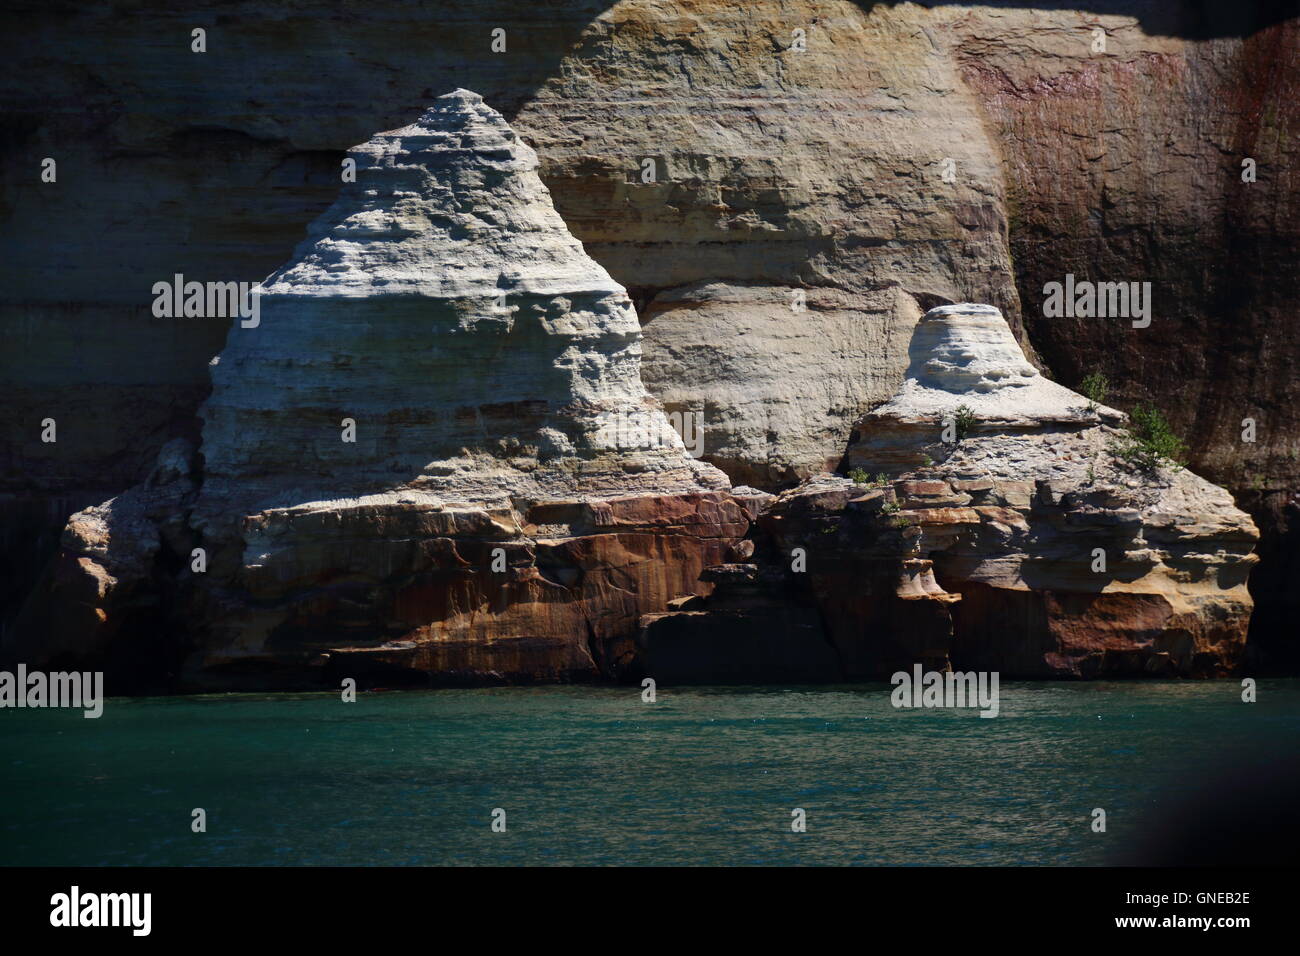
{"x": 778, "y": 170}
{"x": 433, "y": 454}
{"x": 1024, "y": 545}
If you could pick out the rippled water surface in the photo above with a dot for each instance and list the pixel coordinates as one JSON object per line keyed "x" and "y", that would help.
{"x": 593, "y": 775}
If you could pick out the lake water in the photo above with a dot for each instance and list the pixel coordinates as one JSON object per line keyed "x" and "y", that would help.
{"x": 592, "y": 775}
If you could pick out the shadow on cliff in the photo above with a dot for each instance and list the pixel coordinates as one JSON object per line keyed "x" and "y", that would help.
{"x": 1190, "y": 21}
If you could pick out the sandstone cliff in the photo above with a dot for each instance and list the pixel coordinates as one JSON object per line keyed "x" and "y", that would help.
{"x": 1005, "y": 529}
{"x": 432, "y": 454}
{"x": 779, "y": 169}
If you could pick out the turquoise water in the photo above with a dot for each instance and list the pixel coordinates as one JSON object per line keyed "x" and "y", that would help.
{"x": 593, "y": 775}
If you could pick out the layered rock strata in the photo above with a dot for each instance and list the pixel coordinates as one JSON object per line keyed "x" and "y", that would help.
{"x": 818, "y": 170}
{"x": 780, "y": 168}
{"x": 1024, "y": 544}
{"x": 432, "y": 454}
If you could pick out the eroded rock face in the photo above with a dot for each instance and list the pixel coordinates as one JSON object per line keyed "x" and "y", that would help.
{"x": 779, "y": 171}
{"x": 1025, "y": 546}
{"x": 1131, "y": 164}
{"x": 444, "y": 353}
{"x": 818, "y": 169}
{"x": 442, "y": 305}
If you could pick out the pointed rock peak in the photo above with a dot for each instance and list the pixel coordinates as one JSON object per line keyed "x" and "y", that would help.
{"x": 457, "y": 108}
{"x": 462, "y": 96}
{"x": 442, "y": 307}
{"x": 444, "y": 207}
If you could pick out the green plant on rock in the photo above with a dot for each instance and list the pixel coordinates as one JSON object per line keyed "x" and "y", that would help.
{"x": 859, "y": 476}
{"x": 1149, "y": 442}
{"x": 963, "y": 420}
{"x": 1095, "y": 387}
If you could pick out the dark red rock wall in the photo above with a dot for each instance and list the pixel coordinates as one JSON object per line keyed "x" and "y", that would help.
{"x": 1128, "y": 167}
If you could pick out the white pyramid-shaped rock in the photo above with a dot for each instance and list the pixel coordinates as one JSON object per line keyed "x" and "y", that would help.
{"x": 448, "y": 207}
{"x": 442, "y": 305}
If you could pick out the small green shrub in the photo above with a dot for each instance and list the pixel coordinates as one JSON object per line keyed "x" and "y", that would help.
{"x": 1149, "y": 441}
{"x": 1095, "y": 388}
{"x": 859, "y": 476}
{"x": 963, "y": 420}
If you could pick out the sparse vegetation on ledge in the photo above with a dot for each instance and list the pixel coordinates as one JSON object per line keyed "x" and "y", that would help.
{"x": 1149, "y": 442}
{"x": 1095, "y": 387}
{"x": 859, "y": 476}
{"x": 963, "y": 420}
